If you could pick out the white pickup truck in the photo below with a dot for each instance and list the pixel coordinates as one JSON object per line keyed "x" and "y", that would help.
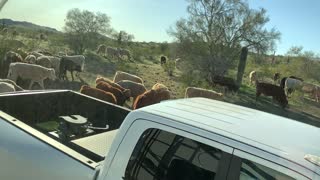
{"x": 182, "y": 139}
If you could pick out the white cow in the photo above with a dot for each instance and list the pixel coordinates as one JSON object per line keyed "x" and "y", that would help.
{"x": 253, "y": 77}
{"x": 292, "y": 84}
{"x": 35, "y": 73}
{"x": 6, "y": 87}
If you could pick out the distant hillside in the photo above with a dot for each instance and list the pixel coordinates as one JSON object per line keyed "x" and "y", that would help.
{"x": 10, "y": 22}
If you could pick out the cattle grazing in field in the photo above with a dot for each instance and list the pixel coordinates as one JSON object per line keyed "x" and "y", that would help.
{"x": 46, "y": 53}
{"x": 13, "y": 57}
{"x": 276, "y": 92}
{"x": 163, "y": 60}
{"x": 55, "y": 63}
{"x": 112, "y": 52}
{"x": 31, "y": 59}
{"x": 4, "y": 31}
{"x": 295, "y": 77}
{"x": 119, "y": 76}
{"x": 43, "y": 37}
{"x": 22, "y": 53}
{"x": 36, "y": 54}
{"x": 102, "y": 49}
{"x": 16, "y": 87}
{"x": 200, "y": 92}
{"x": 109, "y": 81}
{"x": 44, "y": 61}
{"x": 33, "y": 72}
{"x": 99, "y": 94}
{"x": 292, "y": 84}
{"x": 78, "y": 59}
{"x": 121, "y": 96}
{"x": 159, "y": 86}
{"x": 227, "y": 82}
{"x": 10, "y": 57}
{"x": 124, "y": 52}
{"x": 178, "y": 63}
{"x": 283, "y": 80}
{"x": 6, "y": 87}
{"x": 135, "y": 88}
{"x": 150, "y": 97}
{"x": 312, "y": 89}
{"x": 71, "y": 63}
{"x": 316, "y": 93}
{"x": 276, "y": 77}
{"x": 253, "y": 77}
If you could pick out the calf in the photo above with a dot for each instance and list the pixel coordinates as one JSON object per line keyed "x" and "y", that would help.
{"x": 292, "y": 84}
{"x": 99, "y": 94}
{"x": 135, "y": 88}
{"x": 16, "y": 87}
{"x": 6, "y": 87}
{"x": 150, "y": 97}
{"x": 116, "y": 85}
{"x": 67, "y": 65}
{"x": 119, "y": 76}
{"x": 120, "y": 96}
{"x": 33, "y": 72}
{"x": 276, "y": 92}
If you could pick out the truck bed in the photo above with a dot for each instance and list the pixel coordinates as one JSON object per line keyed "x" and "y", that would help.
{"x": 41, "y": 107}
{"x": 94, "y": 143}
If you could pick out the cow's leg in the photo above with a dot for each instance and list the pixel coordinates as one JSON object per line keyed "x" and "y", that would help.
{"x": 41, "y": 84}
{"x": 30, "y": 85}
{"x": 65, "y": 75}
{"x": 257, "y": 95}
{"x": 72, "y": 75}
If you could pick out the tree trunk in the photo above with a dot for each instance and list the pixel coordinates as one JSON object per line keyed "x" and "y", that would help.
{"x": 242, "y": 65}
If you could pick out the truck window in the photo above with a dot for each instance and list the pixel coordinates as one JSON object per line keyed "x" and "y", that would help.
{"x": 251, "y": 171}
{"x": 165, "y": 156}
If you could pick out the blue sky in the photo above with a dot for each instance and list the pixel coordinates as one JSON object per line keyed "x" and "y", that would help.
{"x": 149, "y": 20}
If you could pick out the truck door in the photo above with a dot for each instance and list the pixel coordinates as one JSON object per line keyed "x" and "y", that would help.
{"x": 163, "y": 152}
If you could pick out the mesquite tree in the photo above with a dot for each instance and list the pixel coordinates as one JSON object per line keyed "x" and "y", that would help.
{"x": 215, "y": 31}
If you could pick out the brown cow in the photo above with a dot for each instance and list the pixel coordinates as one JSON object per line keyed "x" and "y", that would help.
{"x": 276, "y": 92}
{"x": 120, "y": 96}
{"x": 99, "y": 94}
{"x": 109, "y": 81}
{"x": 150, "y": 97}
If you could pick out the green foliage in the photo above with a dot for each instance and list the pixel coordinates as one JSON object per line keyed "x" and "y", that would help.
{"x": 83, "y": 29}
{"x": 123, "y": 38}
{"x": 215, "y": 31}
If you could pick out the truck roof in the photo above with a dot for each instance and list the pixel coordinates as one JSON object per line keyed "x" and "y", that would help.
{"x": 281, "y": 136}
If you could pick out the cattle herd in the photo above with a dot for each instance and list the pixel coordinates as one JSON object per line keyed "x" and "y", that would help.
{"x": 125, "y": 86}
{"x": 282, "y": 88}
{"x": 113, "y": 52}
{"x": 38, "y": 66}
